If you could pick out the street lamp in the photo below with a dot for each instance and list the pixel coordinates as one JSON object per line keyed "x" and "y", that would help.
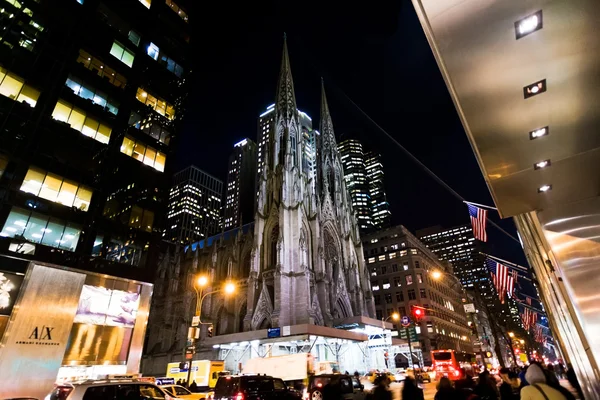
{"x": 228, "y": 288}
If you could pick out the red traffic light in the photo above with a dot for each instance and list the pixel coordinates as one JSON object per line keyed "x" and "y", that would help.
{"x": 418, "y": 312}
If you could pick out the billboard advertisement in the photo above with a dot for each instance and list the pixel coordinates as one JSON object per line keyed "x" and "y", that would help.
{"x": 10, "y": 285}
{"x": 104, "y": 306}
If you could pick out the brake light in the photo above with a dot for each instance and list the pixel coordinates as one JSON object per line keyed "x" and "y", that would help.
{"x": 457, "y": 373}
{"x": 319, "y": 384}
{"x": 61, "y": 392}
{"x": 239, "y": 396}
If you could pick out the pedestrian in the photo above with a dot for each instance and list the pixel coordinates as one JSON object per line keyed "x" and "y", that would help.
{"x": 332, "y": 390}
{"x": 572, "y": 378}
{"x": 356, "y": 375}
{"x": 509, "y": 389}
{"x": 411, "y": 391}
{"x": 560, "y": 371}
{"x": 445, "y": 390}
{"x": 381, "y": 391}
{"x": 466, "y": 386}
{"x": 538, "y": 389}
{"x": 486, "y": 389}
{"x": 194, "y": 387}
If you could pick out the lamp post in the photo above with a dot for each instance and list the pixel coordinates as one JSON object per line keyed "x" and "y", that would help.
{"x": 228, "y": 288}
{"x": 396, "y": 317}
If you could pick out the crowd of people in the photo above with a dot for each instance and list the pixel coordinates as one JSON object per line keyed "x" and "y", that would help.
{"x": 535, "y": 382}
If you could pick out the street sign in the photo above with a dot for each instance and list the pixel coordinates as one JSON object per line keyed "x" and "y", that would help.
{"x": 405, "y": 321}
{"x": 195, "y": 320}
{"x": 469, "y": 308}
{"x": 412, "y": 332}
{"x": 273, "y": 332}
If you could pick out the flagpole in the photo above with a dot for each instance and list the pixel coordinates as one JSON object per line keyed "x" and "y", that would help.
{"x": 480, "y": 205}
{"x": 511, "y": 264}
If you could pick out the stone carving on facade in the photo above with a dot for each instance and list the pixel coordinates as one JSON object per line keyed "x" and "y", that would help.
{"x": 263, "y": 309}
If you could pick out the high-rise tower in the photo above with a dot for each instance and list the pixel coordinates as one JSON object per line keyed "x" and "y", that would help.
{"x": 240, "y": 190}
{"x": 355, "y": 174}
{"x": 195, "y": 202}
{"x": 91, "y": 94}
{"x": 382, "y": 217}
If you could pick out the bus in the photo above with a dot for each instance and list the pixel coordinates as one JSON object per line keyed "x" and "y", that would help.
{"x": 452, "y": 364}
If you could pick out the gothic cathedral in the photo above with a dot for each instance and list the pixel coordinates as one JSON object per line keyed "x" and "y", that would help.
{"x": 300, "y": 262}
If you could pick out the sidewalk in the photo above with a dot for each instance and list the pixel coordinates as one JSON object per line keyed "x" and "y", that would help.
{"x": 565, "y": 383}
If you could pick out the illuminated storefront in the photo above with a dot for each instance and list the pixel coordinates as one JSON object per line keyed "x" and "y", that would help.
{"x": 59, "y": 324}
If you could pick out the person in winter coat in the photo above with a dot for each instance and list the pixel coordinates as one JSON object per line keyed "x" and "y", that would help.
{"x": 509, "y": 389}
{"x": 538, "y": 389}
{"x": 411, "y": 391}
{"x": 486, "y": 388}
{"x": 381, "y": 391}
{"x": 445, "y": 390}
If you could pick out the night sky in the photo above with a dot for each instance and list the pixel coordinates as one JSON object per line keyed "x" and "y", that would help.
{"x": 374, "y": 53}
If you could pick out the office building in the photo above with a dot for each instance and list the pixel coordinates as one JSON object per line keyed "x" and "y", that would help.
{"x": 194, "y": 206}
{"x": 381, "y": 215}
{"x": 355, "y": 175}
{"x": 308, "y": 137}
{"x": 401, "y": 269}
{"x": 363, "y": 172}
{"x": 458, "y": 246}
{"x": 240, "y": 190}
{"x": 92, "y": 97}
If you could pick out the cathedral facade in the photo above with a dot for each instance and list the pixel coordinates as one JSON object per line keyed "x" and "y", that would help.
{"x": 300, "y": 262}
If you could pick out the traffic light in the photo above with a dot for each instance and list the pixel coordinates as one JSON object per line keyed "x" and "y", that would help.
{"x": 209, "y": 331}
{"x": 418, "y": 312}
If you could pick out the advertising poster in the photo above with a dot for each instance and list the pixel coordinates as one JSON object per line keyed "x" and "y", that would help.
{"x": 102, "y": 306}
{"x": 10, "y": 284}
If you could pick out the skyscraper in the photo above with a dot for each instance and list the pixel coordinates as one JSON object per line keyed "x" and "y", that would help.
{"x": 91, "y": 98}
{"x": 240, "y": 191}
{"x": 363, "y": 173}
{"x": 194, "y": 206}
{"x": 355, "y": 175}
{"x": 458, "y": 246}
{"x": 381, "y": 215}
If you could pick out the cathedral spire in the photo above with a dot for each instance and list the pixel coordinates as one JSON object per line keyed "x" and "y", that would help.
{"x": 285, "y": 104}
{"x": 326, "y": 126}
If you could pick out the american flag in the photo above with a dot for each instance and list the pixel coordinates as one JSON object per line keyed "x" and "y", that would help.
{"x": 539, "y": 333}
{"x": 503, "y": 281}
{"x": 529, "y": 318}
{"x": 478, "y": 220}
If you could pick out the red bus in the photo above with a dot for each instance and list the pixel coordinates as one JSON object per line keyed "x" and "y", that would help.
{"x": 451, "y": 364}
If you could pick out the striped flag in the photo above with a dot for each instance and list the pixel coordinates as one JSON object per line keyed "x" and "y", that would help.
{"x": 529, "y": 318}
{"x": 503, "y": 282}
{"x": 478, "y": 220}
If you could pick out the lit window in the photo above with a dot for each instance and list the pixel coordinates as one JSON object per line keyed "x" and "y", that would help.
{"x": 157, "y": 104}
{"x": 143, "y": 153}
{"x": 102, "y": 69}
{"x": 14, "y": 87}
{"x": 153, "y": 51}
{"x": 39, "y": 228}
{"x": 78, "y": 120}
{"x": 134, "y": 37}
{"x": 409, "y": 279}
{"x": 122, "y": 53}
{"x": 146, "y": 3}
{"x": 98, "y": 97}
{"x": 56, "y": 189}
{"x": 182, "y": 14}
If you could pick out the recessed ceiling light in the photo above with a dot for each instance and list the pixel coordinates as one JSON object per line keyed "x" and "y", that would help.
{"x": 539, "y": 133}
{"x": 541, "y": 164}
{"x": 544, "y": 188}
{"x": 529, "y": 24}
{"x": 534, "y": 89}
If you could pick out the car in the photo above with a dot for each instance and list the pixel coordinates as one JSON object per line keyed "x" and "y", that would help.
{"x": 253, "y": 387}
{"x": 110, "y": 388}
{"x": 182, "y": 393}
{"x": 349, "y": 385}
